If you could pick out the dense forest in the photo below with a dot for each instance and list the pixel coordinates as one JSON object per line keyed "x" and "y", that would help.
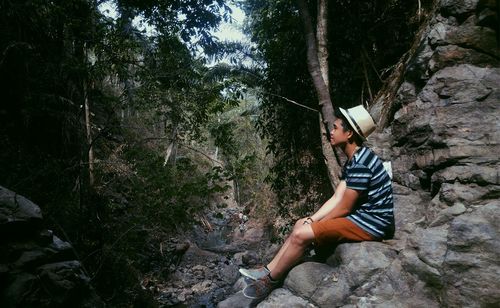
{"x": 131, "y": 129}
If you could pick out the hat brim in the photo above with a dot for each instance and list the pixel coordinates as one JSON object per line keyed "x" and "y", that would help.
{"x": 353, "y": 124}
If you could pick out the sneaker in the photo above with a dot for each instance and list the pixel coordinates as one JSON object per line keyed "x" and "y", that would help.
{"x": 259, "y": 289}
{"x": 254, "y": 274}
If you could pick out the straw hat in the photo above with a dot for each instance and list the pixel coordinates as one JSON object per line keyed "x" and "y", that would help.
{"x": 360, "y": 120}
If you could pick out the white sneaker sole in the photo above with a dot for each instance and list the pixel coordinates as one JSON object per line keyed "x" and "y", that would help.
{"x": 248, "y": 275}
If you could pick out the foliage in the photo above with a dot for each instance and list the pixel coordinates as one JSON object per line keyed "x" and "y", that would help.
{"x": 57, "y": 55}
{"x": 191, "y": 20}
{"x": 243, "y": 152}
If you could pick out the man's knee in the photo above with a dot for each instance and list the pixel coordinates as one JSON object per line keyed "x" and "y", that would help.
{"x": 299, "y": 223}
{"x": 299, "y": 237}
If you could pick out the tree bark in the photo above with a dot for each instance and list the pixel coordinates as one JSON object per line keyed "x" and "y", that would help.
{"x": 322, "y": 37}
{"x": 88, "y": 129}
{"x": 171, "y": 147}
{"x": 317, "y": 64}
{"x": 313, "y": 66}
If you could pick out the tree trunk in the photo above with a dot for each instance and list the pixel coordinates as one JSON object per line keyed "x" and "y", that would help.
{"x": 317, "y": 64}
{"x": 171, "y": 147}
{"x": 88, "y": 129}
{"x": 383, "y": 107}
{"x": 322, "y": 37}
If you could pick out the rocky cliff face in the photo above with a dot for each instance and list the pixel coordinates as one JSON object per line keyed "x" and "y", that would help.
{"x": 443, "y": 142}
{"x": 37, "y": 269}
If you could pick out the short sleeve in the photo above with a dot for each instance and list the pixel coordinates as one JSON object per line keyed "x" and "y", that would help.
{"x": 358, "y": 177}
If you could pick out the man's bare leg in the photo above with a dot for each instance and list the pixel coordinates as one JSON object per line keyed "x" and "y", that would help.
{"x": 284, "y": 247}
{"x": 278, "y": 256}
{"x": 293, "y": 251}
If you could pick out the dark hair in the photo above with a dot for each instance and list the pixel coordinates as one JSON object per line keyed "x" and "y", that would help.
{"x": 346, "y": 126}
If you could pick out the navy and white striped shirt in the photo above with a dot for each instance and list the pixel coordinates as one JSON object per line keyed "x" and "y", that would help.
{"x": 373, "y": 211}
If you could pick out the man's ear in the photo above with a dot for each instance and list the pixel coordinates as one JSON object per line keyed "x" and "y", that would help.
{"x": 350, "y": 136}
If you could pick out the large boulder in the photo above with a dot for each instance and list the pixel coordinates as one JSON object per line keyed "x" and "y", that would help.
{"x": 37, "y": 269}
{"x": 18, "y": 215}
{"x": 471, "y": 266}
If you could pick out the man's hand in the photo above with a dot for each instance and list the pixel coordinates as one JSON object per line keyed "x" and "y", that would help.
{"x": 308, "y": 221}
{"x": 302, "y": 221}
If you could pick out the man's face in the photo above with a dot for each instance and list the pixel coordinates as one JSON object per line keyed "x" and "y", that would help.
{"x": 338, "y": 135}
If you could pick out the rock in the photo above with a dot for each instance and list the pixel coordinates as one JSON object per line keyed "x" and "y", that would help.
{"x": 251, "y": 238}
{"x": 448, "y": 213}
{"x": 200, "y": 271}
{"x": 20, "y": 291}
{"x": 409, "y": 207}
{"x": 457, "y": 7}
{"x": 250, "y": 258}
{"x": 285, "y": 299}
{"x": 457, "y": 192}
{"x": 360, "y": 261}
{"x": 31, "y": 259}
{"x": 431, "y": 244}
{"x": 237, "y": 300}
{"x": 426, "y": 273}
{"x": 229, "y": 273}
{"x": 181, "y": 297}
{"x": 202, "y": 286}
{"x": 471, "y": 272}
{"x": 474, "y": 37}
{"x": 37, "y": 269}
{"x": 180, "y": 249}
{"x": 18, "y": 216}
{"x": 459, "y": 84}
{"x": 451, "y": 55}
{"x": 319, "y": 282}
{"x": 195, "y": 255}
{"x": 60, "y": 245}
{"x": 394, "y": 287}
{"x": 306, "y": 277}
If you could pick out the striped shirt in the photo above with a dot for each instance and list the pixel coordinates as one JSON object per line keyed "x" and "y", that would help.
{"x": 373, "y": 211}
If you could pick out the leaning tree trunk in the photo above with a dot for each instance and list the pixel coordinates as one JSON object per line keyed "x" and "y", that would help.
{"x": 317, "y": 64}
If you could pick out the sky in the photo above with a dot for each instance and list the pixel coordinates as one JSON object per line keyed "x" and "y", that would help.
{"x": 232, "y": 31}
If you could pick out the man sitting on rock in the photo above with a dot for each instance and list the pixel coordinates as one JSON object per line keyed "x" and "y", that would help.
{"x": 360, "y": 210}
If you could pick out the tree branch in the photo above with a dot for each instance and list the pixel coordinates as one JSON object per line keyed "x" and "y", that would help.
{"x": 292, "y": 101}
{"x": 200, "y": 152}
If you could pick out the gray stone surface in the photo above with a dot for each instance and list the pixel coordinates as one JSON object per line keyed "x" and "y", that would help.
{"x": 18, "y": 215}
{"x": 458, "y": 7}
{"x": 236, "y": 300}
{"x": 283, "y": 298}
{"x": 471, "y": 265}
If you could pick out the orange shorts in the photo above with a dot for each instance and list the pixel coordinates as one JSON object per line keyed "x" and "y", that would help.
{"x": 338, "y": 230}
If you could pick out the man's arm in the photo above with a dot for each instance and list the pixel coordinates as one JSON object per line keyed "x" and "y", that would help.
{"x": 329, "y": 205}
{"x": 345, "y": 205}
